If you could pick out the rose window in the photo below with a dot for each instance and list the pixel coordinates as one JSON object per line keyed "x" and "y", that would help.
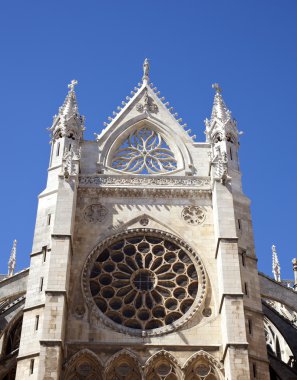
{"x": 144, "y": 152}
{"x": 143, "y": 283}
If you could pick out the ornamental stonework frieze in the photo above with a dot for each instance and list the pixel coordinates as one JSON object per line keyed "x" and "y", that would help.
{"x": 117, "y": 180}
{"x": 95, "y": 213}
{"x": 193, "y": 215}
{"x": 146, "y": 193}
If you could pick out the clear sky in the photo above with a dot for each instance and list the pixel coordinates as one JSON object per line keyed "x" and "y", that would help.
{"x": 249, "y": 47}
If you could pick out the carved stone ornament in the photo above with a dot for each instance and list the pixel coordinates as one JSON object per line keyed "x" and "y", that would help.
{"x": 207, "y": 312}
{"x": 144, "y": 282}
{"x": 95, "y": 213}
{"x": 145, "y": 192}
{"x": 115, "y": 180}
{"x": 148, "y": 105}
{"x": 80, "y": 311}
{"x": 193, "y": 215}
{"x": 144, "y": 221}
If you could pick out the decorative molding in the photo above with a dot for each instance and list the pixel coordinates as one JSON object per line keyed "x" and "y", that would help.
{"x": 193, "y": 215}
{"x": 148, "y": 193}
{"x": 81, "y": 355}
{"x": 146, "y": 186}
{"x": 51, "y": 342}
{"x": 127, "y": 181}
{"x": 165, "y": 354}
{"x": 124, "y": 353}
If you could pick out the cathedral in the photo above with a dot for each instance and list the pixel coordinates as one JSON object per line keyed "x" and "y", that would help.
{"x": 143, "y": 264}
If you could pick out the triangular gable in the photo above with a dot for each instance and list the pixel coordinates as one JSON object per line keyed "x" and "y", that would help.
{"x": 135, "y": 109}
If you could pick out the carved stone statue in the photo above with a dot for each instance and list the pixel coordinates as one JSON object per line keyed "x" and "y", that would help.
{"x": 146, "y": 69}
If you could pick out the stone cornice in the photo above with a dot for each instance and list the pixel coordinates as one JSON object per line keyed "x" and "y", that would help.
{"x": 237, "y": 345}
{"x": 33, "y": 307}
{"x": 146, "y": 186}
{"x": 146, "y": 341}
{"x": 142, "y": 181}
{"x": 224, "y": 240}
{"x": 148, "y": 193}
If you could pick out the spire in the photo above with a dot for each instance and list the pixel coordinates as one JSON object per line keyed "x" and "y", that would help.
{"x": 146, "y": 71}
{"x": 221, "y": 126}
{"x": 219, "y": 108}
{"x": 70, "y": 107}
{"x": 68, "y": 111}
{"x": 275, "y": 265}
{"x": 12, "y": 259}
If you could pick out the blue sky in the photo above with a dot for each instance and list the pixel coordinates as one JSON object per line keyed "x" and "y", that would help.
{"x": 249, "y": 47}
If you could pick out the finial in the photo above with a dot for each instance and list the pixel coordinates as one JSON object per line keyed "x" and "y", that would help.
{"x": 71, "y": 85}
{"x": 217, "y": 88}
{"x": 275, "y": 265}
{"x": 146, "y": 71}
{"x": 12, "y": 259}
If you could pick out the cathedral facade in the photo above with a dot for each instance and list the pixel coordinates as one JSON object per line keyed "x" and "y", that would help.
{"x": 143, "y": 263}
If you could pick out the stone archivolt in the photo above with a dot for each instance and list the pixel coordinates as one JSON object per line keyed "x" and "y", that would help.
{"x": 125, "y": 365}
{"x": 144, "y": 282}
{"x": 84, "y": 365}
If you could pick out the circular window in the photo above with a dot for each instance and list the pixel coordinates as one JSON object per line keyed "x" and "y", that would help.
{"x": 144, "y": 282}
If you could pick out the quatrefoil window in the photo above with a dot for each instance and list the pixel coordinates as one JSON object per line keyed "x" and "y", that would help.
{"x": 144, "y": 152}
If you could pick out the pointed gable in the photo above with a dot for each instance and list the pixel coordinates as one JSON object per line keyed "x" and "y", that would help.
{"x": 144, "y": 137}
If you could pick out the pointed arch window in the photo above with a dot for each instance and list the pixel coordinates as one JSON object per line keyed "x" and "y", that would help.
{"x": 144, "y": 152}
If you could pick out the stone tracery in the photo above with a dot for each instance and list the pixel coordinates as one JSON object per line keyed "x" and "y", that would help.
{"x": 144, "y": 283}
{"x": 162, "y": 366}
{"x": 193, "y": 215}
{"x": 84, "y": 365}
{"x": 144, "y": 152}
{"x": 123, "y": 366}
